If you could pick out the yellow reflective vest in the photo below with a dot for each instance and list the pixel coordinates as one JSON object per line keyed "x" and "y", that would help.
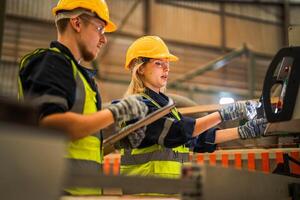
{"x": 155, "y": 160}
{"x": 86, "y": 152}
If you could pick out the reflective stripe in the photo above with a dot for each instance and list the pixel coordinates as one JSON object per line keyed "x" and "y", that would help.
{"x": 164, "y": 154}
{"x": 20, "y": 90}
{"x": 47, "y": 98}
{"x": 78, "y": 106}
{"x": 167, "y": 125}
{"x": 173, "y": 111}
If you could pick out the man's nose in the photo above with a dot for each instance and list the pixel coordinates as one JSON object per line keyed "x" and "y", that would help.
{"x": 103, "y": 39}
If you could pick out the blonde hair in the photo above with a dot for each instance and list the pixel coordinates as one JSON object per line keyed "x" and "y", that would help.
{"x": 136, "y": 85}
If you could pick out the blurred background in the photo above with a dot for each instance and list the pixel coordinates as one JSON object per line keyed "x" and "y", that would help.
{"x": 224, "y": 46}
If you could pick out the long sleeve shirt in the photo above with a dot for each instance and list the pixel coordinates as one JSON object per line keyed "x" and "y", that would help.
{"x": 180, "y": 131}
{"x": 50, "y": 74}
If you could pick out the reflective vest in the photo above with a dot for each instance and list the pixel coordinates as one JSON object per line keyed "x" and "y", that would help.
{"x": 155, "y": 160}
{"x": 86, "y": 153}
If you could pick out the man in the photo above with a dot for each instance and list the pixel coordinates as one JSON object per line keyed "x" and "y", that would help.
{"x": 65, "y": 91}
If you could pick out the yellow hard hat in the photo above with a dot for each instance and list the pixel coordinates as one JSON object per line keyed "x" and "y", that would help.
{"x": 148, "y": 47}
{"x": 99, "y": 7}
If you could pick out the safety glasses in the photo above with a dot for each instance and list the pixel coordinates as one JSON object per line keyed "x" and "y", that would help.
{"x": 99, "y": 28}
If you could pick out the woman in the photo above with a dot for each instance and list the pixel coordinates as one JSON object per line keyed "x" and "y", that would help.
{"x": 164, "y": 146}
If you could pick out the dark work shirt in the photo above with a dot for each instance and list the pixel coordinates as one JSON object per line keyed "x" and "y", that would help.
{"x": 51, "y": 73}
{"x": 180, "y": 131}
{"x": 205, "y": 142}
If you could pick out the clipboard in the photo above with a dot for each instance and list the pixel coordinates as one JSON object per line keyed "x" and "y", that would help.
{"x": 108, "y": 143}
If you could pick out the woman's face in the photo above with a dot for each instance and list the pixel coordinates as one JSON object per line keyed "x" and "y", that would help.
{"x": 155, "y": 73}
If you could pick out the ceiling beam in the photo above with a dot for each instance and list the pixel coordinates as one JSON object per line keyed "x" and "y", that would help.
{"x": 213, "y": 65}
{"x": 180, "y": 44}
{"x": 257, "y": 2}
{"x": 183, "y": 4}
{"x": 2, "y": 20}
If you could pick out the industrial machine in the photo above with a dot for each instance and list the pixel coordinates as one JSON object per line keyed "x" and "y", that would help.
{"x": 283, "y": 76}
{"x": 282, "y": 81}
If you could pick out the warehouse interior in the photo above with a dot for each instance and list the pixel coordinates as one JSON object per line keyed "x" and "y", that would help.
{"x": 225, "y": 49}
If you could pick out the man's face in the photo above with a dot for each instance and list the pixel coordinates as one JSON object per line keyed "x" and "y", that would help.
{"x": 92, "y": 37}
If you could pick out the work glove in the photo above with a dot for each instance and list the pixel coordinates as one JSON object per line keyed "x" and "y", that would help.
{"x": 239, "y": 110}
{"x": 133, "y": 140}
{"x": 128, "y": 109}
{"x": 253, "y": 128}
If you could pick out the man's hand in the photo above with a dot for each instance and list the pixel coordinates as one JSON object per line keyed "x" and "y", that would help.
{"x": 239, "y": 110}
{"x": 128, "y": 109}
{"x": 253, "y": 129}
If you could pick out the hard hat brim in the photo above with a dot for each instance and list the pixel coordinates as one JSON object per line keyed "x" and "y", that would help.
{"x": 110, "y": 27}
{"x": 169, "y": 56}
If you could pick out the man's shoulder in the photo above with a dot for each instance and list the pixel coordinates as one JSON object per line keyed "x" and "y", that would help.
{"x": 46, "y": 57}
{"x": 54, "y": 56}
{"x": 47, "y": 64}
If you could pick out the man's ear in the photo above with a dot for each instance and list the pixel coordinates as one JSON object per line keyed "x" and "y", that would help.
{"x": 76, "y": 24}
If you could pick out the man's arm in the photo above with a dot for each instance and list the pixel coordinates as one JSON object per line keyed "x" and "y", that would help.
{"x": 77, "y": 125}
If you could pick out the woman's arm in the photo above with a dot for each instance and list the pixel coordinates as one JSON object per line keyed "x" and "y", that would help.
{"x": 226, "y": 135}
{"x": 206, "y": 122}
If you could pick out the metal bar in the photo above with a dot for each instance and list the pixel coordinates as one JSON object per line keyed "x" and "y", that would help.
{"x": 286, "y": 22}
{"x": 197, "y": 89}
{"x": 243, "y": 184}
{"x": 213, "y": 65}
{"x": 257, "y": 2}
{"x": 213, "y": 49}
{"x": 223, "y": 26}
{"x": 251, "y": 74}
{"x": 201, "y": 180}
{"x": 178, "y": 4}
{"x": 2, "y": 20}
{"x": 130, "y": 184}
{"x": 193, "y": 89}
{"x": 208, "y": 108}
{"x": 147, "y": 17}
{"x": 227, "y": 14}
